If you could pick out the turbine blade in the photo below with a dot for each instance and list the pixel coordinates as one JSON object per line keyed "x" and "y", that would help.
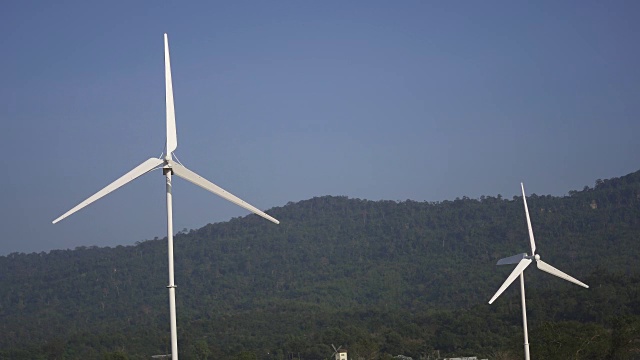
{"x": 526, "y": 210}
{"x": 553, "y": 271}
{"x": 196, "y": 179}
{"x": 131, "y": 175}
{"x": 511, "y": 259}
{"x": 514, "y": 274}
{"x": 172, "y": 139}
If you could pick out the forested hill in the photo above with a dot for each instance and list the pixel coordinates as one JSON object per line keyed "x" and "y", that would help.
{"x": 380, "y": 277}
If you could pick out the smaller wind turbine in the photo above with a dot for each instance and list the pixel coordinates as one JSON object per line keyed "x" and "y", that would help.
{"x": 524, "y": 260}
{"x": 335, "y": 350}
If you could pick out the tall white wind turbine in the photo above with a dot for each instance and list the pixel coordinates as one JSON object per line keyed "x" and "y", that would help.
{"x": 524, "y": 260}
{"x": 169, "y": 167}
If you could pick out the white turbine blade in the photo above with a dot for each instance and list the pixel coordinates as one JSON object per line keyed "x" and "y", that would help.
{"x": 131, "y": 175}
{"x": 526, "y": 210}
{"x": 172, "y": 139}
{"x": 514, "y": 274}
{"x": 196, "y": 179}
{"x": 511, "y": 259}
{"x": 553, "y": 271}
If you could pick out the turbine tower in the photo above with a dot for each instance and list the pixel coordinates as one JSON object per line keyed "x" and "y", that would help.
{"x": 169, "y": 167}
{"x": 524, "y": 260}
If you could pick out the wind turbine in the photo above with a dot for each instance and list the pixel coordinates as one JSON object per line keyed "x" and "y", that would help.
{"x": 335, "y": 350}
{"x": 169, "y": 167}
{"x": 524, "y": 260}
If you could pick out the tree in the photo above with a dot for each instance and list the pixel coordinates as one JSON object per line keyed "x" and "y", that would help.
{"x": 116, "y": 355}
{"x": 200, "y": 350}
{"x": 245, "y": 355}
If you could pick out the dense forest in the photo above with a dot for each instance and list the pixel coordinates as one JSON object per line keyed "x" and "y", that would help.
{"x": 380, "y": 278}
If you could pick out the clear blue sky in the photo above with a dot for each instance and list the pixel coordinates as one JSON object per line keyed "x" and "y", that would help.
{"x": 283, "y": 101}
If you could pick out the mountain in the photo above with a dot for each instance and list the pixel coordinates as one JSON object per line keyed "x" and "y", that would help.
{"x": 381, "y": 278}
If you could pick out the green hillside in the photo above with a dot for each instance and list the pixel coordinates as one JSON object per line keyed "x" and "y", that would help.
{"x": 381, "y": 278}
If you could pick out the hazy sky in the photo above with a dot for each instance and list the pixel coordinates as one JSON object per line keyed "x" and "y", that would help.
{"x": 280, "y": 101}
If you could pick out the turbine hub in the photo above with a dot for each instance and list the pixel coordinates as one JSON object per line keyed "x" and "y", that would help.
{"x": 537, "y": 257}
